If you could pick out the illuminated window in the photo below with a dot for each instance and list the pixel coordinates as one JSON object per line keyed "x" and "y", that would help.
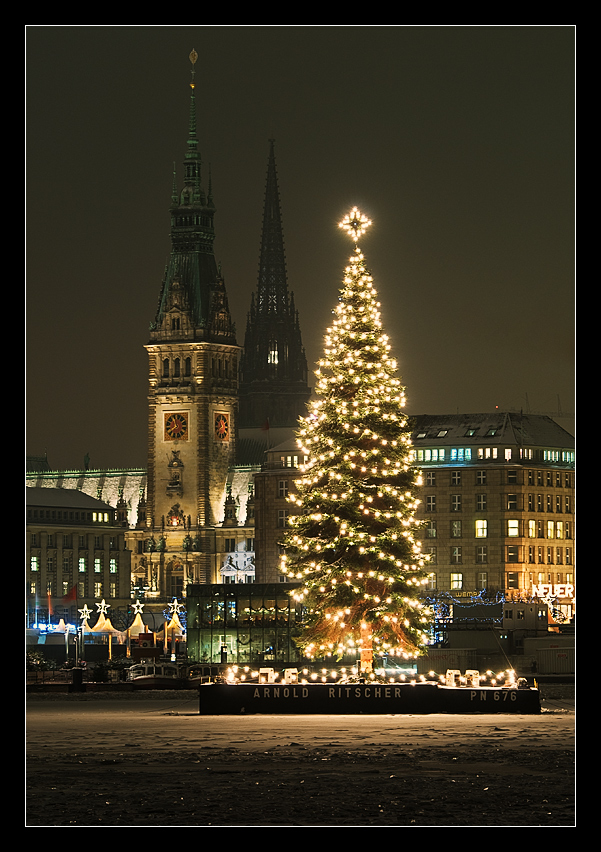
{"x": 559, "y": 529}
{"x": 455, "y": 529}
{"x": 34, "y": 563}
{"x": 550, "y": 529}
{"x": 513, "y": 528}
{"x": 431, "y": 529}
{"x": 431, "y": 582}
{"x": 97, "y": 590}
{"x": 82, "y": 564}
{"x": 431, "y": 553}
{"x": 97, "y": 565}
{"x": 531, "y": 529}
{"x": 481, "y": 529}
{"x": 507, "y": 454}
{"x": 113, "y": 565}
{"x": 461, "y": 454}
{"x": 272, "y": 354}
{"x": 456, "y": 581}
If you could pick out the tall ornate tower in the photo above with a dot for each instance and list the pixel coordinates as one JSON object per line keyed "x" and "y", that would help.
{"x": 192, "y": 389}
{"x": 273, "y": 379}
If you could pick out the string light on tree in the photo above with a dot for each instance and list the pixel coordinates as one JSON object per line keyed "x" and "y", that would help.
{"x": 352, "y": 540}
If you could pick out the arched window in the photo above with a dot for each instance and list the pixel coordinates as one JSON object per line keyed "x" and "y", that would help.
{"x": 188, "y": 367}
{"x": 176, "y": 372}
{"x": 166, "y": 368}
{"x": 272, "y": 354}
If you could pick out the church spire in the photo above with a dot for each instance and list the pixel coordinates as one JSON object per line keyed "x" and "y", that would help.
{"x": 272, "y": 293}
{"x": 273, "y": 382}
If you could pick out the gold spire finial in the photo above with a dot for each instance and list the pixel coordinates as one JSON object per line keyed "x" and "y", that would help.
{"x": 193, "y": 57}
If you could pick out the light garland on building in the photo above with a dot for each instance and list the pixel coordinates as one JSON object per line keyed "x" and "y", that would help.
{"x": 352, "y": 540}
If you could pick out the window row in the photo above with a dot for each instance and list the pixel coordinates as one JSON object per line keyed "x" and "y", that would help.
{"x": 66, "y": 541}
{"x": 70, "y": 515}
{"x": 459, "y": 580}
{"x": 231, "y": 545}
{"x": 458, "y": 554}
{"x": 508, "y": 454}
{"x": 550, "y": 504}
{"x": 64, "y": 588}
{"x": 542, "y": 478}
{"x": 67, "y": 564}
{"x": 513, "y": 528}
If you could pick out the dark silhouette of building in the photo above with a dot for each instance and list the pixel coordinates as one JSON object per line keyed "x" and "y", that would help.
{"x": 273, "y": 376}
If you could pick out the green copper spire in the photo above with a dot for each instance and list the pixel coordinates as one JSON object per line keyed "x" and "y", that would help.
{"x": 192, "y": 283}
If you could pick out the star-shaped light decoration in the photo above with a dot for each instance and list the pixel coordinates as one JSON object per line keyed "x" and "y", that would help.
{"x": 355, "y": 224}
{"x": 138, "y": 607}
{"x": 102, "y": 607}
{"x": 175, "y": 608}
{"x": 85, "y": 613}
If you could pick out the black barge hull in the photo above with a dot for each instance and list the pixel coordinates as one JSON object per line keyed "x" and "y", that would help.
{"x": 347, "y": 699}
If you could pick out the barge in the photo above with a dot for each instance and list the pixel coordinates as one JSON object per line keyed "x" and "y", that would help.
{"x": 225, "y": 699}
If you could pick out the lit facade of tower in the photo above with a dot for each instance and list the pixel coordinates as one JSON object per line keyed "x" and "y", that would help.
{"x": 273, "y": 380}
{"x": 192, "y": 391}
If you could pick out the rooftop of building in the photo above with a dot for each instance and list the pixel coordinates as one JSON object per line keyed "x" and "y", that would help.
{"x": 533, "y": 430}
{"x": 63, "y": 498}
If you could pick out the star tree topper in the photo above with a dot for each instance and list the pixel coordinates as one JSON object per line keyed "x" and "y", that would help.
{"x": 355, "y": 224}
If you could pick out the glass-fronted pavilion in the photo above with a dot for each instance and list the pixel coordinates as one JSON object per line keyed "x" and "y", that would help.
{"x": 243, "y": 623}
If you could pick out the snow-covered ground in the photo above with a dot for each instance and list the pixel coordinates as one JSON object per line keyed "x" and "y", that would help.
{"x": 125, "y": 759}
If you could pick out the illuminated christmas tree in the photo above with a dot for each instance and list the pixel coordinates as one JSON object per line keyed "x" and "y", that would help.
{"x": 352, "y": 542}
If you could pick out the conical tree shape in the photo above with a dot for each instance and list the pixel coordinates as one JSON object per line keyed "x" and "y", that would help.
{"x": 352, "y": 540}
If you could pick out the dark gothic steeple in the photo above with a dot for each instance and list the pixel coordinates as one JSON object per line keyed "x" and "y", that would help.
{"x": 273, "y": 382}
{"x": 193, "y": 302}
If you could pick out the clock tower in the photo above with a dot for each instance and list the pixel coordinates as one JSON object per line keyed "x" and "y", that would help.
{"x": 192, "y": 390}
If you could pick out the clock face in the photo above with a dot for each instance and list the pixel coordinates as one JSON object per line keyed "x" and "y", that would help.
{"x": 176, "y": 426}
{"x": 222, "y": 427}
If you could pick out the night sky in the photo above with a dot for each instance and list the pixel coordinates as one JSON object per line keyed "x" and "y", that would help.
{"x": 457, "y": 141}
